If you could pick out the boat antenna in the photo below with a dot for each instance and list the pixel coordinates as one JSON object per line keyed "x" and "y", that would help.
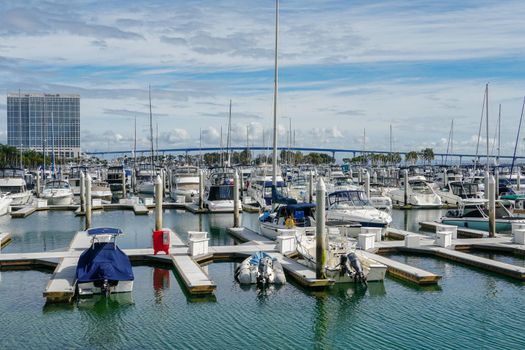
{"x": 517, "y": 138}
{"x": 480, "y": 126}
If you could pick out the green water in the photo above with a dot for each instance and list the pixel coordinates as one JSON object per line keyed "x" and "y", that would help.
{"x": 469, "y": 310}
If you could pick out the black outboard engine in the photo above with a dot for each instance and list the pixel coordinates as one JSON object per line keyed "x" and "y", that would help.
{"x": 355, "y": 264}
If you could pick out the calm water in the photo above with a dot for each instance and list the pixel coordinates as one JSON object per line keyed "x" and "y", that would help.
{"x": 469, "y": 309}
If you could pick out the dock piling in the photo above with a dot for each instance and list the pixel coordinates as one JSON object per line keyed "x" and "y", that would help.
{"x": 236, "y": 215}
{"x": 492, "y": 205}
{"x": 405, "y": 182}
{"x": 38, "y": 183}
{"x": 88, "y": 201}
{"x": 201, "y": 190}
{"x": 124, "y": 183}
{"x": 311, "y": 187}
{"x": 158, "y": 203}
{"x": 367, "y": 184}
{"x": 82, "y": 193}
{"x": 320, "y": 249}
{"x": 518, "y": 179}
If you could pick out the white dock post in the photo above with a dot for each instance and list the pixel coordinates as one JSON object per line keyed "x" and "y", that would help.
{"x": 405, "y": 177}
{"x": 486, "y": 184}
{"x": 374, "y": 177}
{"x": 519, "y": 236}
{"x": 133, "y": 180}
{"x": 158, "y": 203}
{"x": 412, "y": 241}
{"x": 311, "y": 187}
{"x": 236, "y": 214}
{"x": 366, "y": 240}
{"x": 124, "y": 183}
{"x": 198, "y": 243}
{"x": 367, "y": 185}
{"x": 445, "y": 177}
{"x": 444, "y": 239}
{"x": 492, "y": 205}
{"x": 82, "y": 192}
{"x": 320, "y": 249}
{"x": 88, "y": 201}
{"x": 496, "y": 179}
{"x": 448, "y": 228}
{"x": 359, "y": 175}
{"x": 201, "y": 190}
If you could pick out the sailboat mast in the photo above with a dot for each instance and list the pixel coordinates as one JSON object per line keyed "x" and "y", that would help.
{"x": 151, "y": 134}
{"x": 135, "y": 145}
{"x": 275, "y": 87}
{"x": 487, "y": 121}
{"x": 229, "y": 136}
{"x": 499, "y": 133}
{"x": 517, "y": 137}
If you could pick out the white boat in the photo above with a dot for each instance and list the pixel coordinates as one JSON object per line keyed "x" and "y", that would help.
{"x": 103, "y": 268}
{"x": 344, "y": 263}
{"x": 455, "y": 192}
{"x": 145, "y": 176}
{"x": 5, "y": 202}
{"x": 185, "y": 182}
{"x": 260, "y": 268}
{"x": 260, "y": 189}
{"x": 57, "y": 192}
{"x": 419, "y": 194}
{"x": 299, "y": 216}
{"x": 13, "y": 184}
{"x": 100, "y": 189}
{"x": 219, "y": 193}
{"x": 353, "y": 206}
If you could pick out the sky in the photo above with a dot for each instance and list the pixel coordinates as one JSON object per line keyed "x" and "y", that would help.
{"x": 344, "y": 66}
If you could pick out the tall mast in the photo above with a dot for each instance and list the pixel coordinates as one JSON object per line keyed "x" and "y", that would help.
{"x": 480, "y": 126}
{"x": 517, "y": 137}
{"x": 135, "y": 145}
{"x": 229, "y": 135}
{"x": 151, "y": 134}
{"x": 487, "y": 121}
{"x": 390, "y": 138}
{"x": 247, "y": 144}
{"x": 275, "y": 87}
{"x": 157, "y": 127}
{"x": 200, "y": 147}
{"x": 499, "y": 134}
{"x": 222, "y": 153}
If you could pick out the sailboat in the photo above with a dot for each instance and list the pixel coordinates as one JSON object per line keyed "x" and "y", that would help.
{"x": 146, "y": 174}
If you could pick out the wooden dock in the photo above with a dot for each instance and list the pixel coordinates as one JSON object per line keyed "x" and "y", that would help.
{"x": 463, "y": 232}
{"x": 194, "y": 278}
{"x": 5, "y": 239}
{"x": 244, "y": 234}
{"x": 404, "y": 271}
{"x": 300, "y": 273}
{"x": 140, "y": 209}
{"x": 23, "y": 212}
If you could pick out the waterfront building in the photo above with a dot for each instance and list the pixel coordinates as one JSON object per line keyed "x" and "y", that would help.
{"x": 48, "y": 123}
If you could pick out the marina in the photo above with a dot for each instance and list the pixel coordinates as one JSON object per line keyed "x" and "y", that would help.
{"x": 274, "y": 175}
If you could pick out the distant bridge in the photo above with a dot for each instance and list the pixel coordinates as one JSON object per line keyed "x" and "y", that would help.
{"x": 332, "y": 151}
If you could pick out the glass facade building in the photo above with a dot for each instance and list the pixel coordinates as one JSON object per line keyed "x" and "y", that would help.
{"x": 44, "y": 122}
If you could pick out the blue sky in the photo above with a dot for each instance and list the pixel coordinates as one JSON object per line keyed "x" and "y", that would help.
{"x": 344, "y": 66}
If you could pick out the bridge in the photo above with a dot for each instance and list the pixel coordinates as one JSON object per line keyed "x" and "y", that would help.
{"x": 332, "y": 151}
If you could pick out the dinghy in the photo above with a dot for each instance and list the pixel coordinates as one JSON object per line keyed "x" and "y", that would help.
{"x": 260, "y": 268}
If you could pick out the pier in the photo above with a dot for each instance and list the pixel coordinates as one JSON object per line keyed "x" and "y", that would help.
{"x": 5, "y": 239}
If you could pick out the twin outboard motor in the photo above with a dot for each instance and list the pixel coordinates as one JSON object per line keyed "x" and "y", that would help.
{"x": 351, "y": 265}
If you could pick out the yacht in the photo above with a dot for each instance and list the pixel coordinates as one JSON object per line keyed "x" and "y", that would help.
{"x": 185, "y": 182}
{"x": 260, "y": 189}
{"x": 292, "y": 215}
{"x": 101, "y": 189}
{"x": 456, "y": 191}
{"x": 420, "y": 194}
{"x": 57, "y": 192}
{"x": 145, "y": 177}
{"x": 13, "y": 185}
{"x": 219, "y": 194}
{"x": 116, "y": 176}
{"x": 354, "y": 206}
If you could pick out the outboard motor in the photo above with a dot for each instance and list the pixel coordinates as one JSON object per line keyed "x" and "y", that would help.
{"x": 265, "y": 271}
{"x": 355, "y": 264}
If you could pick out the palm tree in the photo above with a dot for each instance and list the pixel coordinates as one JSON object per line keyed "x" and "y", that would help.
{"x": 411, "y": 157}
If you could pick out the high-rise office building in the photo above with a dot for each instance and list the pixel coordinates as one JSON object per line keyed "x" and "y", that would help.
{"x": 44, "y": 123}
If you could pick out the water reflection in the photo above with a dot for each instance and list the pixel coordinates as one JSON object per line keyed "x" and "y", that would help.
{"x": 161, "y": 282}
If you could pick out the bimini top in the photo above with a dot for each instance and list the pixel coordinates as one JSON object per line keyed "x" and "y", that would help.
{"x": 104, "y": 231}
{"x": 300, "y": 206}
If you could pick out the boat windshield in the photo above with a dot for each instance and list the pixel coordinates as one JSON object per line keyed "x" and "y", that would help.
{"x": 342, "y": 181}
{"x": 345, "y": 199}
{"x": 7, "y": 172}
{"x": 420, "y": 187}
{"x": 57, "y": 184}
{"x": 11, "y": 189}
{"x": 218, "y": 193}
{"x": 464, "y": 190}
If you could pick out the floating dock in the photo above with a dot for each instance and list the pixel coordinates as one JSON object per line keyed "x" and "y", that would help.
{"x": 5, "y": 239}
{"x": 463, "y": 232}
{"x": 23, "y": 212}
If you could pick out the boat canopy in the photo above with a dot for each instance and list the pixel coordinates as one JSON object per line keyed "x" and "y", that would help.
{"x": 104, "y": 261}
{"x": 104, "y": 231}
{"x": 280, "y": 199}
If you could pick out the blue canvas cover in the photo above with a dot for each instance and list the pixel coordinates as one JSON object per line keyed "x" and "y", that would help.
{"x": 104, "y": 261}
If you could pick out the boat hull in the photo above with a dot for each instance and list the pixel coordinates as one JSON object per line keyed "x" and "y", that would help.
{"x": 480, "y": 224}
{"x": 85, "y": 289}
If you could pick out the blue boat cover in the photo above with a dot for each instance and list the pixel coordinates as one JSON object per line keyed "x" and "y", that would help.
{"x": 257, "y": 257}
{"x": 104, "y": 261}
{"x": 104, "y": 231}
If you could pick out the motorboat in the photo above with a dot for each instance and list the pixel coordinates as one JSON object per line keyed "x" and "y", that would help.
{"x": 185, "y": 182}
{"x": 101, "y": 189}
{"x": 473, "y": 213}
{"x": 145, "y": 176}
{"x": 219, "y": 194}
{"x": 260, "y": 189}
{"x": 419, "y": 194}
{"x": 354, "y": 206}
{"x": 117, "y": 175}
{"x": 292, "y": 215}
{"x": 456, "y": 191}
{"x": 13, "y": 185}
{"x": 57, "y": 192}
{"x": 5, "y": 202}
{"x": 260, "y": 268}
{"x": 344, "y": 263}
{"x": 104, "y": 268}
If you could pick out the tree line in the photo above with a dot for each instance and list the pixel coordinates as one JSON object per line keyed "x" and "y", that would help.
{"x": 426, "y": 155}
